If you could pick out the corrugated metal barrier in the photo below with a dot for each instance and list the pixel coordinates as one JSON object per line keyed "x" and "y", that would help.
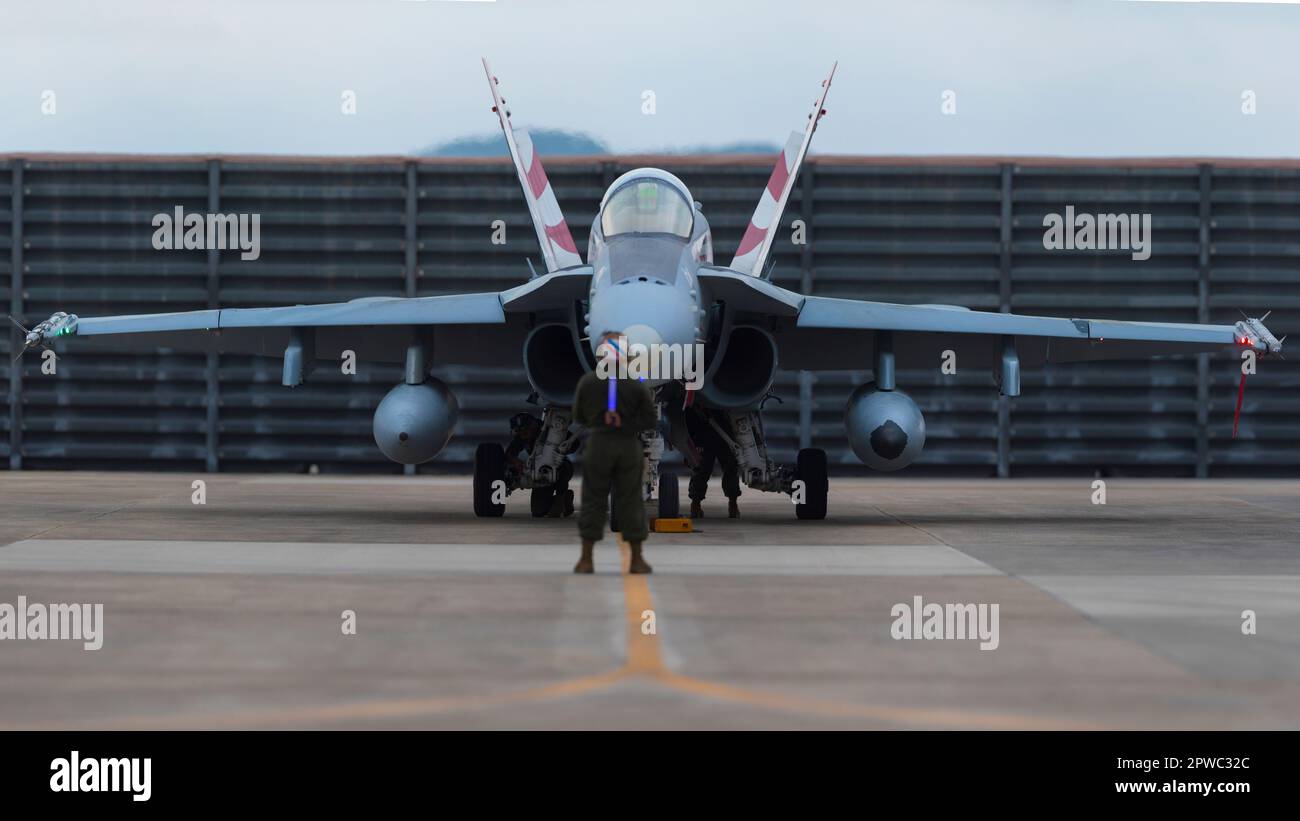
{"x": 75, "y": 235}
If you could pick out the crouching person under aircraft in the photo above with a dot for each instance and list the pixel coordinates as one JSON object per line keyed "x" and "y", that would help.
{"x": 712, "y": 449}
{"x": 615, "y": 411}
{"x": 525, "y": 430}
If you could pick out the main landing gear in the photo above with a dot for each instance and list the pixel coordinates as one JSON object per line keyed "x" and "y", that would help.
{"x": 806, "y": 483}
{"x": 545, "y": 471}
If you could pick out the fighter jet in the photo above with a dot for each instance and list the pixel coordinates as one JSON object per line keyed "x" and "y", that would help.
{"x": 650, "y": 275}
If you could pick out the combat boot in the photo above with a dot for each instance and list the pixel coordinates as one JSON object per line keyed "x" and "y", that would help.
{"x": 638, "y": 563}
{"x": 697, "y": 509}
{"x": 733, "y": 509}
{"x": 585, "y": 564}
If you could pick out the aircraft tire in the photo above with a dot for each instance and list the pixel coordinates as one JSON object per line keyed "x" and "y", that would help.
{"x": 541, "y": 500}
{"x": 669, "y": 504}
{"x": 489, "y": 468}
{"x": 811, "y": 469}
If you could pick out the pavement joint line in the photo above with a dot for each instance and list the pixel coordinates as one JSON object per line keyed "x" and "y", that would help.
{"x": 99, "y": 515}
{"x": 645, "y": 659}
{"x": 1088, "y": 617}
{"x": 606, "y": 677}
{"x": 644, "y": 663}
{"x": 1083, "y": 614}
{"x": 917, "y": 528}
{"x": 1274, "y": 510}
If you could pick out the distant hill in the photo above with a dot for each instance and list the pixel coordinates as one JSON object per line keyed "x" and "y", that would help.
{"x": 548, "y": 141}
{"x": 554, "y": 142}
{"x": 743, "y": 147}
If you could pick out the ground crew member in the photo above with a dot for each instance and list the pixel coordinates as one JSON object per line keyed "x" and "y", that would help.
{"x": 712, "y": 448}
{"x": 525, "y": 430}
{"x": 615, "y": 412}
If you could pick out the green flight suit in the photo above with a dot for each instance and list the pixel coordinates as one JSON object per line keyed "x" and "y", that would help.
{"x": 613, "y": 456}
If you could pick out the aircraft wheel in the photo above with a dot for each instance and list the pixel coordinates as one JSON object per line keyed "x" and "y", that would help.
{"x": 541, "y": 500}
{"x": 489, "y": 468}
{"x": 811, "y": 469}
{"x": 669, "y": 506}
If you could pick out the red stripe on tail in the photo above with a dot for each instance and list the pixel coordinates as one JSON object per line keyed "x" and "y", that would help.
{"x": 753, "y": 236}
{"x": 559, "y": 234}
{"x": 776, "y": 182}
{"x": 537, "y": 176}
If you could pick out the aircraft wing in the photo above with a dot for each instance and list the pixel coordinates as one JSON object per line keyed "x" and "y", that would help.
{"x": 827, "y": 333}
{"x": 463, "y": 329}
{"x": 457, "y": 309}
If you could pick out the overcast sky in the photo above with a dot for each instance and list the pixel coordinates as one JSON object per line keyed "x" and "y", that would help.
{"x": 1056, "y": 77}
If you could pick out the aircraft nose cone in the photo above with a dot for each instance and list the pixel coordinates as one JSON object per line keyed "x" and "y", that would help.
{"x": 640, "y": 334}
{"x": 645, "y": 312}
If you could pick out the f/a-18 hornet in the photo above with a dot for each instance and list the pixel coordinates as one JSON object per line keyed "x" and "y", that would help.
{"x": 650, "y": 275}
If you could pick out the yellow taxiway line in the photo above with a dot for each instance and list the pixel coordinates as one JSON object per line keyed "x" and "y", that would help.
{"x": 644, "y": 662}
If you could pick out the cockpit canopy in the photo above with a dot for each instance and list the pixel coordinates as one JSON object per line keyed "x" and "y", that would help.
{"x": 646, "y": 206}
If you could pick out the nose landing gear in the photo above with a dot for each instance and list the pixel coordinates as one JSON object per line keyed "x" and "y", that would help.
{"x": 669, "y": 500}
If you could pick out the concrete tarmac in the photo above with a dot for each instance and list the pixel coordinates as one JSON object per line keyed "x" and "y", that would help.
{"x": 230, "y": 614}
